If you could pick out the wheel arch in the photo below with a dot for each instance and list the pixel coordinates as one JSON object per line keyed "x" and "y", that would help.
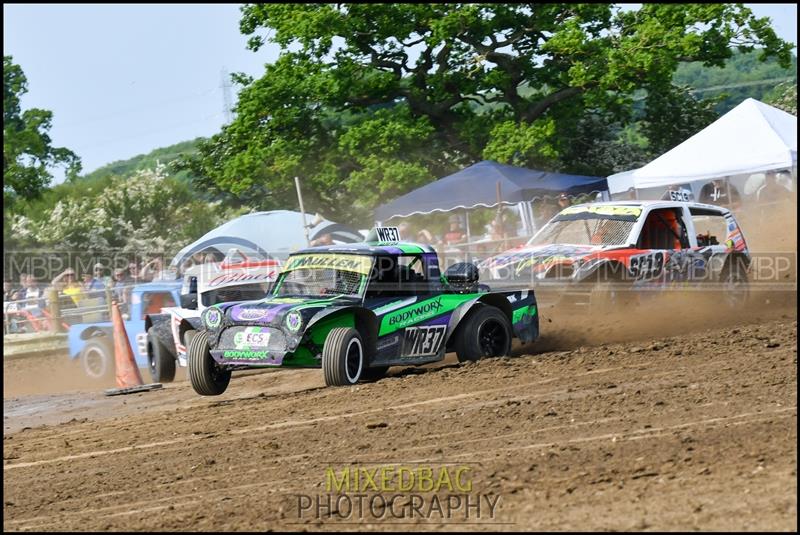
{"x": 364, "y": 321}
{"x": 187, "y": 324}
{"x": 499, "y": 301}
{"x": 735, "y": 258}
{"x": 162, "y": 328}
{"x": 92, "y": 332}
{"x": 463, "y": 310}
{"x": 604, "y": 270}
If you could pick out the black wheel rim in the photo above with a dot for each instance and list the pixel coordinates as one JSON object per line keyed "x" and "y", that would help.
{"x": 353, "y": 361}
{"x": 492, "y": 338}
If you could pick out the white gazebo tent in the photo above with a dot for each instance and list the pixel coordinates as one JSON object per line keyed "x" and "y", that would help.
{"x": 753, "y": 137}
{"x": 620, "y": 184}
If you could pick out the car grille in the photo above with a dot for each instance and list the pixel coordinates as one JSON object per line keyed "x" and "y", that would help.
{"x": 277, "y": 340}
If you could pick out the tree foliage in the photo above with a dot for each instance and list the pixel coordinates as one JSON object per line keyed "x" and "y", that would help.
{"x": 672, "y": 113}
{"x": 367, "y": 101}
{"x": 27, "y": 150}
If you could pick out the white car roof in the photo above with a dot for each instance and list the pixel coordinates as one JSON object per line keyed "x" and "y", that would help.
{"x": 659, "y": 204}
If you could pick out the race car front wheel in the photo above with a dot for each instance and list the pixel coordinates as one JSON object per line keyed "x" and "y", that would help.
{"x": 160, "y": 359}
{"x": 486, "y": 332}
{"x": 343, "y": 357}
{"x": 207, "y": 378}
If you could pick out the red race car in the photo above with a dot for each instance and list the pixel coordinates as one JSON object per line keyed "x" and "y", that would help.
{"x": 629, "y": 245}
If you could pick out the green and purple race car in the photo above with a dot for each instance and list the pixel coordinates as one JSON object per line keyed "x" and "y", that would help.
{"x": 355, "y": 310}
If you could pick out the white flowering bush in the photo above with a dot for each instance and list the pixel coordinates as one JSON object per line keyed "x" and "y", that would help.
{"x": 145, "y": 212}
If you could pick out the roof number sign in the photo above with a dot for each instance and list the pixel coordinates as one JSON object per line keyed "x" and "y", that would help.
{"x": 680, "y": 195}
{"x": 387, "y": 234}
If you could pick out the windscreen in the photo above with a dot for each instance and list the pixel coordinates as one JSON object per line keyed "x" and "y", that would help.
{"x": 589, "y": 225}
{"x": 313, "y": 275}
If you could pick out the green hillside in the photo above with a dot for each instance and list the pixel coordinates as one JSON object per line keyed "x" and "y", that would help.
{"x": 743, "y": 76}
{"x": 163, "y": 155}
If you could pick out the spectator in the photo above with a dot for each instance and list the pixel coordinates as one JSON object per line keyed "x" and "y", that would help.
{"x": 495, "y": 230}
{"x": 122, "y": 286}
{"x": 20, "y": 293}
{"x": 71, "y": 286}
{"x": 546, "y": 209}
{"x": 9, "y": 323}
{"x": 133, "y": 271}
{"x": 506, "y": 224}
{"x": 193, "y": 260}
{"x": 563, "y": 201}
{"x": 94, "y": 282}
{"x": 152, "y": 270}
{"x": 772, "y": 191}
{"x": 425, "y": 237}
{"x": 8, "y": 290}
{"x": 456, "y": 232}
{"x": 86, "y": 283}
{"x": 32, "y": 295}
{"x": 404, "y": 229}
{"x": 325, "y": 239}
{"x": 721, "y": 193}
{"x": 210, "y": 258}
{"x": 9, "y": 293}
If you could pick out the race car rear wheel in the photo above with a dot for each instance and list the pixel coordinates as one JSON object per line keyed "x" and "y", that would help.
{"x": 735, "y": 285}
{"x": 97, "y": 358}
{"x": 486, "y": 332}
{"x": 611, "y": 296}
{"x": 160, "y": 359}
{"x": 343, "y": 357}
{"x": 207, "y": 378}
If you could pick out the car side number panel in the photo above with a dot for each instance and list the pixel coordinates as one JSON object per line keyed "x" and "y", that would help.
{"x": 647, "y": 266}
{"x": 423, "y": 341}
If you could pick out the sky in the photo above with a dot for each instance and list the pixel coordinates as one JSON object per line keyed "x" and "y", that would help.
{"x": 122, "y": 80}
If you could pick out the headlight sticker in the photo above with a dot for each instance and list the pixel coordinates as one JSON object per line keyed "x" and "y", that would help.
{"x": 213, "y": 317}
{"x": 294, "y": 321}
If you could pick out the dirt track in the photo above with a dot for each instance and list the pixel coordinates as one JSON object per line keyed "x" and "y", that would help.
{"x": 697, "y": 431}
{"x": 679, "y": 417}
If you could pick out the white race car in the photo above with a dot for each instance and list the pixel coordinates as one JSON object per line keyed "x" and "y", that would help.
{"x": 204, "y": 285}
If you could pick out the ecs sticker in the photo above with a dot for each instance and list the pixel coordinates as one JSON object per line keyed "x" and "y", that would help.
{"x": 423, "y": 341}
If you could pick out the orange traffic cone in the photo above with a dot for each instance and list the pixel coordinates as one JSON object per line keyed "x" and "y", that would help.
{"x": 127, "y": 371}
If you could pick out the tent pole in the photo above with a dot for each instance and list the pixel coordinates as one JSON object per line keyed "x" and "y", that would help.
{"x": 498, "y": 191}
{"x": 532, "y": 220}
{"x": 302, "y": 210}
{"x": 469, "y": 235}
{"x": 728, "y": 192}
